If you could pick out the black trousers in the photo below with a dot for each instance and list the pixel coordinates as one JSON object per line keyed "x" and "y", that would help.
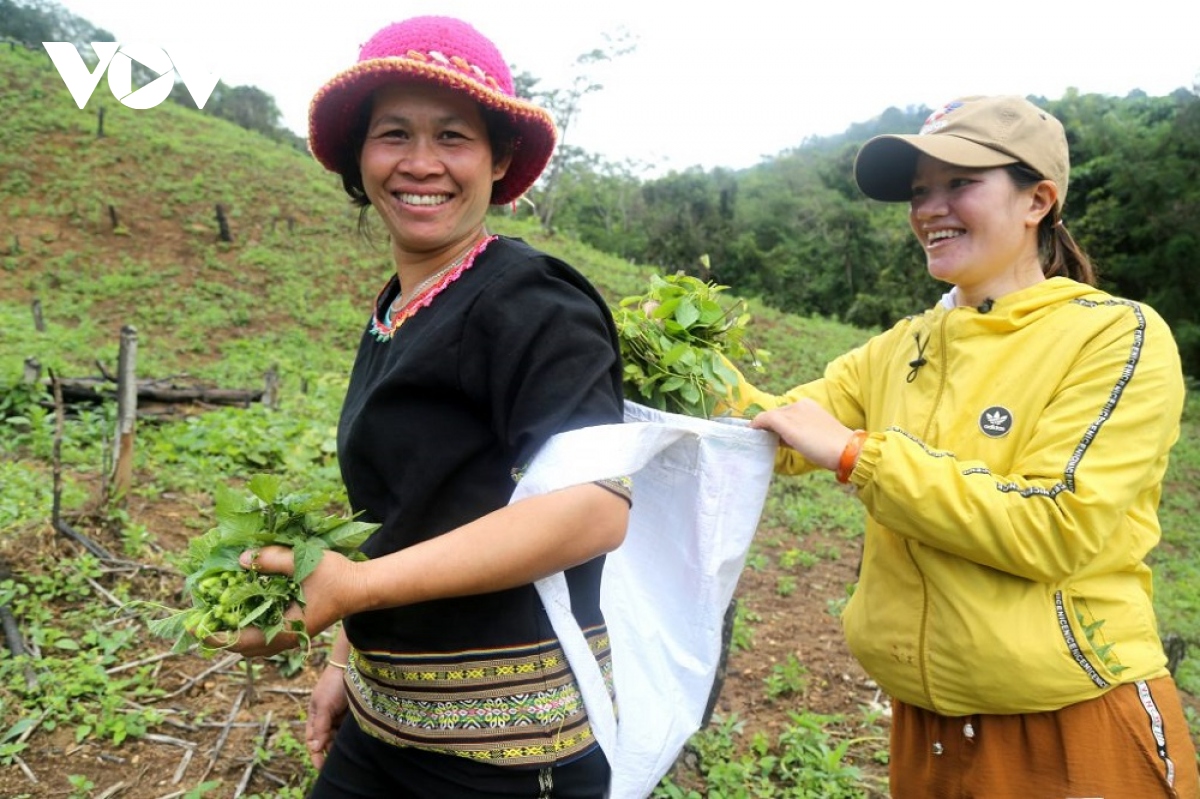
{"x": 361, "y": 767}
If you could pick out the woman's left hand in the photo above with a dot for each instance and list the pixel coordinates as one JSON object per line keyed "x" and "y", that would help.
{"x": 809, "y": 429}
{"x": 328, "y": 594}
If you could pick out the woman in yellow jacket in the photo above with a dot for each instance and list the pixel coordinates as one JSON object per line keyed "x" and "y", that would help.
{"x": 1009, "y": 446}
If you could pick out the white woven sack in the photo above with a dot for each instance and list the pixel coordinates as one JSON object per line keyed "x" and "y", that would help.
{"x": 698, "y": 492}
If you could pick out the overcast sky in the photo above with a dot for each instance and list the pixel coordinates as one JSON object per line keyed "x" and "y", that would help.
{"x": 726, "y": 86}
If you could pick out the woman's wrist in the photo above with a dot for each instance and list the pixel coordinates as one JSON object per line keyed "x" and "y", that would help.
{"x": 849, "y": 456}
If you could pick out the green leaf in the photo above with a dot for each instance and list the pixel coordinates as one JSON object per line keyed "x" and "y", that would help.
{"x": 674, "y": 354}
{"x": 262, "y": 608}
{"x": 265, "y": 486}
{"x": 687, "y": 314}
{"x": 18, "y": 729}
{"x": 228, "y": 501}
{"x": 349, "y": 536}
{"x": 307, "y": 555}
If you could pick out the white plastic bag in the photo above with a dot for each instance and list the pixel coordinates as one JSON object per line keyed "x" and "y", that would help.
{"x": 698, "y": 492}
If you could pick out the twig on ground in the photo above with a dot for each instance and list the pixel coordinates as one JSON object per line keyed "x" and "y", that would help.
{"x": 112, "y": 790}
{"x": 288, "y": 691}
{"x": 262, "y": 737}
{"x": 220, "y": 664}
{"x": 155, "y": 737}
{"x": 28, "y": 771}
{"x": 248, "y": 668}
{"x": 272, "y": 777}
{"x": 184, "y": 762}
{"x": 104, "y": 592}
{"x": 233, "y": 711}
{"x": 16, "y": 644}
{"x": 142, "y": 662}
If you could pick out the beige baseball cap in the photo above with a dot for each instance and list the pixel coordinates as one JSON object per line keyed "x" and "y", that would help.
{"x": 977, "y": 132}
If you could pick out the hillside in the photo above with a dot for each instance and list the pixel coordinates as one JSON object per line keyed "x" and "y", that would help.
{"x": 107, "y": 231}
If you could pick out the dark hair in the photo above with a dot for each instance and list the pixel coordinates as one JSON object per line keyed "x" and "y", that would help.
{"x": 1057, "y": 250}
{"x": 502, "y": 137}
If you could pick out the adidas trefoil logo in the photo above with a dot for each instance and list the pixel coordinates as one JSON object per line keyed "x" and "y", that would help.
{"x": 995, "y": 422}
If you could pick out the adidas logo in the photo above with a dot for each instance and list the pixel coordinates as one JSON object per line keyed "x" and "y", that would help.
{"x": 995, "y": 422}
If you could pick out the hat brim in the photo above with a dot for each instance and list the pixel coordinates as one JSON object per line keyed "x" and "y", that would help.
{"x": 336, "y": 107}
{"x": 885, "y": 165}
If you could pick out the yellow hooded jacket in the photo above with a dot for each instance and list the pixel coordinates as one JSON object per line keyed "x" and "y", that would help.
{"x": 1012, "y": 479}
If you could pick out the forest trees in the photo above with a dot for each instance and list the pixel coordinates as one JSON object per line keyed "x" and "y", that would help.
{"x": 565, "y": 105}
{"x": 796, "y": 231}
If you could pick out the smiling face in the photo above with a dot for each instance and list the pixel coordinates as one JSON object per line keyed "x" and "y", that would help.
{"x": 978, "y": 230}
{"x": 427, "y": 168}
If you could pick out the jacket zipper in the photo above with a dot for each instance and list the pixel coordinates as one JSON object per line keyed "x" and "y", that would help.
{"x": 922, "y": 636}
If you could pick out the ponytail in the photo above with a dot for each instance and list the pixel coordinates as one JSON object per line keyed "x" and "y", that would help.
{"x": 1057, "y": 249}
{"x": 1060, "y": 254}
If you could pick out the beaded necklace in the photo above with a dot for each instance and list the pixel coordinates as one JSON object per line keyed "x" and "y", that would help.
{"x": 398, "y": 313}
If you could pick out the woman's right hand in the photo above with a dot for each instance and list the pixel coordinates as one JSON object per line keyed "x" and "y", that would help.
{"x": 327, "y": 707}
{"x": 331, "y": 592}
{"x": 809, "y": 429}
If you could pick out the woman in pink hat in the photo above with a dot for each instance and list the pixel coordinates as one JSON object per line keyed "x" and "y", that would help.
{"x": 1008, "y": 446}
{"x": 446, "y": 679}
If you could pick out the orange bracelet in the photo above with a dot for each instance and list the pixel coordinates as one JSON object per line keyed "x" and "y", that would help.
{"x": 850, "y": 454}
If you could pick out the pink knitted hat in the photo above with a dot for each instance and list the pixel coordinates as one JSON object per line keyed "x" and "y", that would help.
{"x": 441, "y": 50}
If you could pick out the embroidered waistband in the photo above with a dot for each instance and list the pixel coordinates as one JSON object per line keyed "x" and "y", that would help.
{"x": 512, "y": 706}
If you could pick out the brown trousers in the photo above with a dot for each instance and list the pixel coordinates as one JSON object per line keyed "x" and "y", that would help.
{"x": 1131, "y": 743}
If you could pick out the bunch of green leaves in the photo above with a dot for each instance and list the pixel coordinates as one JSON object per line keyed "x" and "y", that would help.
{"x": 227, "y": 598}
{"x": 678, "y": 343}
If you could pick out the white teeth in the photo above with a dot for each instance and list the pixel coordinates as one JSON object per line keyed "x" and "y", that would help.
{"x": 423, "y": 199}
{"x": 938, "y": 235}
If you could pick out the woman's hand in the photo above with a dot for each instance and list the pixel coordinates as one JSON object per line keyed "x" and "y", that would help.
{"x": 327, "y": 707}
{"x": 809, "y": 429}
{"x": 330, "y": 593}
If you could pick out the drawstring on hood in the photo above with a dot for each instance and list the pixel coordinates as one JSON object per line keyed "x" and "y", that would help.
{"x": 919, "y": 361}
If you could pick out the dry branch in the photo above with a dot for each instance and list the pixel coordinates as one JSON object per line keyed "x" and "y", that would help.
{"x": 113, "y": 790}
{"x": 81, "y": 539}
{"x": 226, "y": 661}
{"x": 25, "y": 768}
{"x": 13, "y": 637}
{"x": 233, "y": 711}
{"x": 181, "y": 769}
{"x": 262, "y": 737}
{"x": 142, "y": 662}
{"x": 99, "y": 389}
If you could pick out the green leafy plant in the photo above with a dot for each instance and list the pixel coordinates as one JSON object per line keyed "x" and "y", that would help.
{"x": 227, "y": 598}
{"x": 678, "y": 341}
{"x": 786, "y": 679}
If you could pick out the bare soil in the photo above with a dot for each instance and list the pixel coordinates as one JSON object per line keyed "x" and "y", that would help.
{"x": 218, "y": 722}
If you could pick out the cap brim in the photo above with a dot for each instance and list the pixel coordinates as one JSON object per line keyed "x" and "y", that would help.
{"x": 336, "y": 108}
{"x": 884, "y": 166}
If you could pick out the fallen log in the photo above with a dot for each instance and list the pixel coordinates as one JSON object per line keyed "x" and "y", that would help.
{"x": 100, "y": 389}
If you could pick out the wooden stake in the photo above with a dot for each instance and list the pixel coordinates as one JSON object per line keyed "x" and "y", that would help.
{"x": 33, "y": 371}
{"x": 271, "y": 387}
{"x": 126, "y": 414}
{"x": 223, "y": 224}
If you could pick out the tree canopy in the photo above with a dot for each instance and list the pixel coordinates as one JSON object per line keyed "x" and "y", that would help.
{"x": 796, "y": 231}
